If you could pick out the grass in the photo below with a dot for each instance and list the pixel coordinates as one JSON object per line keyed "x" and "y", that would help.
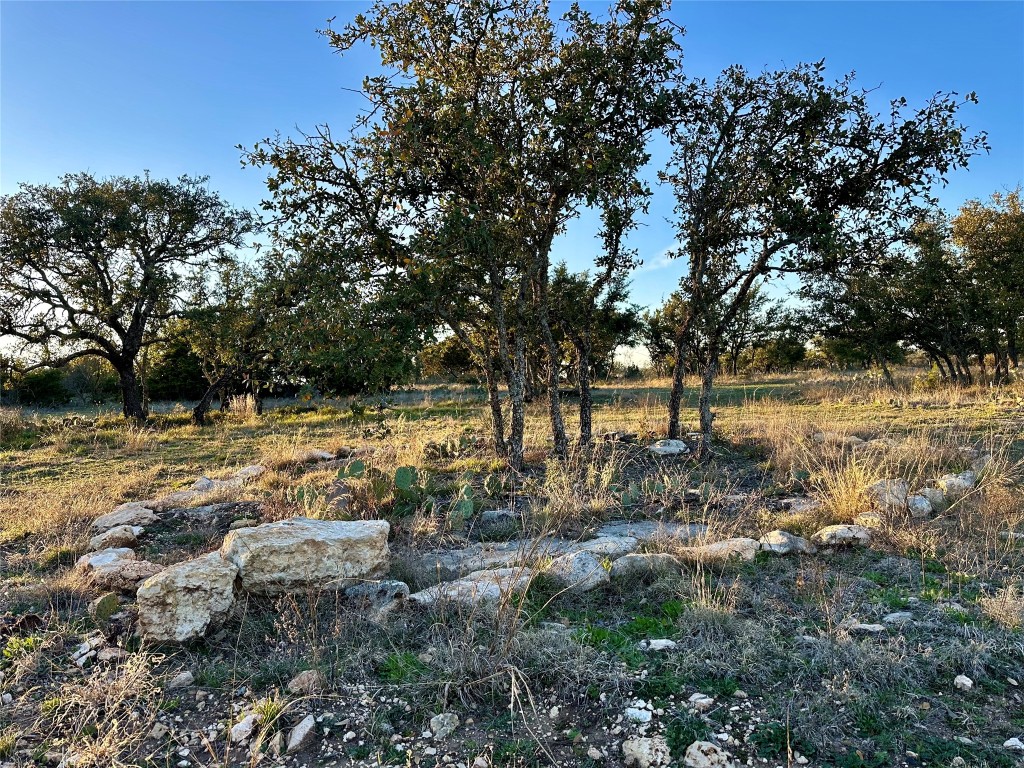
{"x": 776, "y": 629}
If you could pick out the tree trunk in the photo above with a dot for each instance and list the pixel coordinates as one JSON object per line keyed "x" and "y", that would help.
{"x": 203, "y": 406}
{"x": 131, "y": 393}
{"x": 707, "y": 381}
{"x": 675, "y": 398}
{"x": 497, "y": 417}
{"x": 1011, "y": 346}
{"x": 554, "y": 365}
{"x": 516, "y": 393}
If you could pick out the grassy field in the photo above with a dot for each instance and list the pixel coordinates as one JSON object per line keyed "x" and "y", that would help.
{"x": 544, "y": 679}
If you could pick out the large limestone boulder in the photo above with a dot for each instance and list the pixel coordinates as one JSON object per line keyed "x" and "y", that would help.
{"x": 646, "y": 751}
{"x": 704, "y": 754}
{"x": 957, "y": 486}
{"x": 183, "y": 601}
{"x": 669, "y": 448}
{"x": 477, "y": 587}
{"x": 643, "y": 566}
{"x": 785, "y": 543}
{"x": 294, "y": 554}
{"x": 577, "y": 572}
{"x": 889, "y": 495}
{"x": 836, "y": 535}
{"x": 132, "y": 513}
{"x": 120, "y": 536}
{"x": 720, "y": 551}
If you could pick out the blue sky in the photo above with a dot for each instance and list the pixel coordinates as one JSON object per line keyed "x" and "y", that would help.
{"x": 172, "y": 87}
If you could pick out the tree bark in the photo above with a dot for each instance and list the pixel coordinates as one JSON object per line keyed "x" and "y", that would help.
{"x": 203, "y": 407}
{"x": 497, "y": 417}
{"x": 675, "y": 398}
{"x": 131, "y": 393}
{"x": 554, "y": 360}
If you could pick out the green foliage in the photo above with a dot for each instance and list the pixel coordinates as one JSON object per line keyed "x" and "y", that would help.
{"x": 683, "y": 729}
{"x": 44, "y": 387}
{"x": 18, "y": 647}
{"x": 402, "y": 668}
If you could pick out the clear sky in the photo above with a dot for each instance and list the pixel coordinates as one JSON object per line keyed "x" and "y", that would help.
{"x": 173, "y": 87}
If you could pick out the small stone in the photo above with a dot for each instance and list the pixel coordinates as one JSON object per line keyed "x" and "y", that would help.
{"x": 307, "y": 682}
{"x": 111, "y": 654}
{"x": 919, "y": 506}
{"x": 785, "y": 543}
{"x": 1014, "y": 744}
{"x": 833, "y": 535}
{"x": 657, "y": 645}
{"x": 132, "y": 513}
{"x": 594, "y": 754}
{"x": 159, "y": 731}
{"x": 243, "y": 729}
{"x": 180, "y": 680}
{"x": 243, "y": 522}
{"x": 638, "y": 715}
{"x": 963, "y": 682}
{"x": 444, "y": 725}
{"x": 701, "y": 702}
{"x": 704, "y": 754}
{"x": 302, "y": 734}
{"x": 646, "y": 752}
{"x": 118, "y": 536}
{"x": 669, "y": 448}
{"x": 873, "y": 629}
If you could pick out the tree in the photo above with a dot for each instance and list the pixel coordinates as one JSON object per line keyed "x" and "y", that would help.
{"x": 784, "y": 172}
{"x": 92, "y": 267}
{"x": 492, "y": 126}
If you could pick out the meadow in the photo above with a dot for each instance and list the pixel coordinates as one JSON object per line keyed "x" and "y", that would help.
{"x": 776, "y": 660}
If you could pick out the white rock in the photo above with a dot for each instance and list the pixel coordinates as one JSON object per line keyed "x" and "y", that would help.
{"x": 935, "y": 497}
{"x": 637, "y": 715}
{"x": 833, "y": 535}
{"x": 180, "y": 680}
{"x": 111, "y": 654}
{"x": 889, "y": 495}
{"x": 701, "y": 702}
{"x": 132, "y": 513}
{"x": 183, "y": 601}
{"x": 669, "y": 448}
{"x": 704, "y": 754}
{"x": 294, "y": 554}
{"x": 159, "y": 731}
{"x": 957, "y": 486}
{"x": 242, "y": 730}
{"x": 477, "y": 587}
{"x": 1011, "y": 536}
{"x": 720, "y": 551}
{"x": 784, "y": 543}
{"x": 577, "y": 572}
{"x": 646, "y": 752}
{"x": 302, "y": 734}
{"x": 307, "y": 682}
{"x": 1015, "y": 744}
{"x": 250, "y": 473}
{"x": 643, "y": 566}
{"x": 444, "y": 725}
{"x": 594, "y": 754}
{"x": 657, "y": 645}
{"x": 919, "y": 506}
{"x": 103, "y": 558}
{"x": 963, "y": 682}
{"x": 981, "y": 463}
{"x": 174, "y": 500}
{"x": 873, "y": 629}
{"x": 116, "y": 569}
{"x": 119, "y": 536}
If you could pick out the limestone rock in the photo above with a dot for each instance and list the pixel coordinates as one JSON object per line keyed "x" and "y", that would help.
{"x": 174, "y": 500}
{"x": 869, "y": 520}
{"x": 125, "y": 575}
{"x": 444, "y": 725}
{"x": 721, "y": 551}
{"x": 889, "y": 495}
{"x": 102, "y": 558}
{"x": 1014, "y": 744}
{"x": 669, "y": 448}
{"x": 577, "y": 572}
{"x": 251, "y": 472}
{"x": 243, "y": 729}
{"x": 180, "y": 680}
{"x": 963, "y": 683}
{"x": 935, "y": 497}
{"x": 307, "y": 682}
{"x": 302, "y": 734}
{"x": 183, "y": 601}
{"x": 704, "y": 754}
{"x": 784, "y": 543}
{"x": 661, "y": 644}
{"x": 293, "y": 554}
{"x": 118, "y": 536}
{"x": 652, "y": 531}
{"x": 132, "y": 513}
{"x": 898, "y": 618}
{"x": 957, "y": 486}
{"x": 833, "y": 535}
{"x": 477, "y": 587}
{"x": 103, "y": 607}
{"x": 919, "y": 506}
{"x": 645, "y": 566}
{"x": 646, "y": 751}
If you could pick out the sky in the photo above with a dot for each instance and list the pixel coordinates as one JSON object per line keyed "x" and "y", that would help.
{"x": 116, "y": 88}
